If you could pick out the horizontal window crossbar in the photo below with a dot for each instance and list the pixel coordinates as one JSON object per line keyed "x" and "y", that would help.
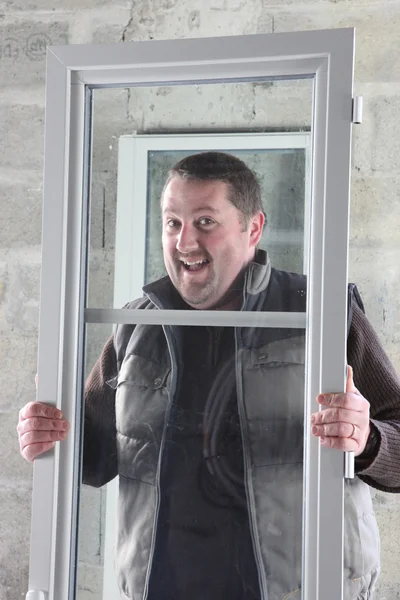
{"x": 211, "y": 318}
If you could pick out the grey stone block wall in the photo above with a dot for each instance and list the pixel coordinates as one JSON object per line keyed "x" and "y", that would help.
{"x": 25, "y": 29}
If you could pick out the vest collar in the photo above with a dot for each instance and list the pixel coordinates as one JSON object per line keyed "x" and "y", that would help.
{"x": 258, "y": 273}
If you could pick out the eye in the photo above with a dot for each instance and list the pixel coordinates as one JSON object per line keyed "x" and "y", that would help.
{"x": 171, "y": 223}
{"x": 205, "y": 222}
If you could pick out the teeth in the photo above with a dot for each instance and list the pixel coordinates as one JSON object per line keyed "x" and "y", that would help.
{"x": 197, "y": 262}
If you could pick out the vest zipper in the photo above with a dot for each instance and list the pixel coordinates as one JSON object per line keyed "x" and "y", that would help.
{"x": 215, "y": 336}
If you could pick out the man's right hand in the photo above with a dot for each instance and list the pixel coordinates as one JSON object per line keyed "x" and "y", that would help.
{"x": 40, "y": 426}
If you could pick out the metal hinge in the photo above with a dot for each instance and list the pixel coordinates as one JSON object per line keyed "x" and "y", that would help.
{"x": 357, "y": 109}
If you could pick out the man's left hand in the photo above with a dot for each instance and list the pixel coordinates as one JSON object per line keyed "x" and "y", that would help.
{"x": 344, "y": 423}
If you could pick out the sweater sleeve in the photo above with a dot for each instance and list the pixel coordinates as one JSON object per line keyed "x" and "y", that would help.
{"x": 377, "y": 381}
{"x": 99, "y": 443}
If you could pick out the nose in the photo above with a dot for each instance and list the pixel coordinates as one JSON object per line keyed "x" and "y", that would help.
{"x": 187, "y": 239}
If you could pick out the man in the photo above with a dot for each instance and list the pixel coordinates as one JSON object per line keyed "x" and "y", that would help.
{"x": 204, "y": 426}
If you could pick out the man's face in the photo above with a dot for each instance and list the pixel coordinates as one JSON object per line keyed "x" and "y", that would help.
{"x": 204, "y": 241}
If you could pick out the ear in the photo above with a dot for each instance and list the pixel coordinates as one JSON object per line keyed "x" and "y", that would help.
{"x": 256, "y": 228}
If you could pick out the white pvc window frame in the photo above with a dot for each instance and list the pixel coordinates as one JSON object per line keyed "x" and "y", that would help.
{"x": 72, "y": 72}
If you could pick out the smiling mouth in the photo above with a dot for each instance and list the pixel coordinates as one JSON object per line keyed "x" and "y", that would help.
{"x": 194, "y": 265}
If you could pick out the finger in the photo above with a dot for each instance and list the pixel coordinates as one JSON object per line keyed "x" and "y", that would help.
{"x": 336, "y": 430}
{"x": 42, "y": 424}
{"x": 39, "y": 409}
{"x": 340, "y": 443}
{"x": 37, "y": 437}
{"x": 350, "y": 387}
{"x": 336, "y": 414}
{"x": 346, "y": 400}
{"x": 35, "y": 450}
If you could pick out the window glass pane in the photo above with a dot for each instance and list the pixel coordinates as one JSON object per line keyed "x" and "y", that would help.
{"x": 228, "y": 436}
{"x": 196, "y": 439}
{"x": 139, "y": 134}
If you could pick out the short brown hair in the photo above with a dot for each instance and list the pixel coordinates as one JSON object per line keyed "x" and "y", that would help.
{"x": 244, "y": 187}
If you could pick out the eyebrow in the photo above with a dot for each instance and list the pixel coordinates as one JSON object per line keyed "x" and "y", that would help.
{"x": 206, "y": 207}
